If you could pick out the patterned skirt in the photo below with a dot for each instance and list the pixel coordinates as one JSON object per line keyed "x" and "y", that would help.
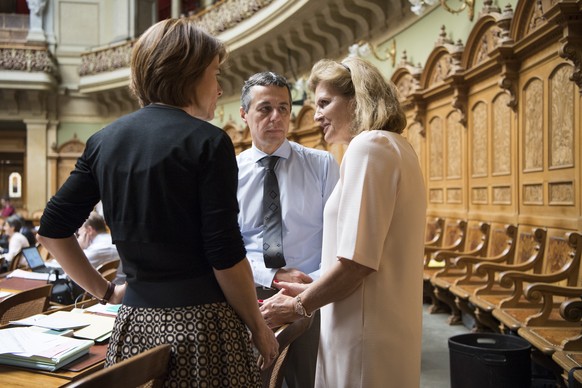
{"x": 211, "y": 346}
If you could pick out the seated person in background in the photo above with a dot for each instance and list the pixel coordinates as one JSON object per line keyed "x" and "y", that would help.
{"x": 6, "y": 209}
{"x": 27, "y": 230}
{"x": 16, "y": 241}
{"x": 3, "y": 236}
{"x": 96, "y": 242}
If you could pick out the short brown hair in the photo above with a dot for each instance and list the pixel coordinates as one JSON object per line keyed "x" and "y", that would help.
{"x": 96, "y": 222}
{"x": 169, "y": 59}
{"x": 376, "y": 99}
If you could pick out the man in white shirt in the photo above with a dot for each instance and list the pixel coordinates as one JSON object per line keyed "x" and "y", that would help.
{"x": 306, "y": 177}
{"x": 96, "y": 242}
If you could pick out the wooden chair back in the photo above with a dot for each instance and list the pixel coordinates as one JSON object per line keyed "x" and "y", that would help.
{"x": 43, "y": 252}
{"x": 112, "y": 264}
{"x": 149, "y": 367}
{"x": 273, "y": 376}
{"x": 25, "y": 304}
{"x": 15, "y": 263}
{"x": 434, "y": 231}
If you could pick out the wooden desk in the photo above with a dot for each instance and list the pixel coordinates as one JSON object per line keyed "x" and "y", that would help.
{"x": 12, "y": 376}
{"x": 569, "y": 360}
{"x": 15, "y": 285}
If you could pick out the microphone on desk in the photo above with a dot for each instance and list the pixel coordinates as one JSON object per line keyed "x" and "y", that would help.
{"x": 56, "y": 272}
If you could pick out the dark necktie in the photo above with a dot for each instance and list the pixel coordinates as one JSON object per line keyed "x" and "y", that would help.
{"x": 273, "y": 228}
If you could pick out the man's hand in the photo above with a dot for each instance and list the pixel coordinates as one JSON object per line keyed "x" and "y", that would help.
{"x": 291, "y": 289}
{"x": 291, "y": 275}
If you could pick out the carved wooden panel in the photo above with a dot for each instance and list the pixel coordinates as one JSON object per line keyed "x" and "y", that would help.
{"x": 474, "y": 236}
{"x": 526, "y": 247}
{"x": 501, "y": 195}
{"x": 498, "y": 241}
{"x": 479, "y": 195}
{"x": 533, "y": 131}
{"x": 454, "y": 195}
{"x": 501, "y": 136}
{"x": 533, "y": 194}
{"x": 435, "y": 132}
{"x": 561, "y": 193}
{"x": 561, "y": 131}
{"x": 557, "y": 255}
{"x": 489, "y": 41}
{"x": 454, "y": 146}
{"x": 442, "y": 69}
{"x": 480, "y": 140}
{"x": 452, "y": 233}
{"x": 417, "y": 141}
{"x": 435, "y": 196}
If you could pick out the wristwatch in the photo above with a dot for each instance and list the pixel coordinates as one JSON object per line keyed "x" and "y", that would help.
{"x": 299, "y": 309}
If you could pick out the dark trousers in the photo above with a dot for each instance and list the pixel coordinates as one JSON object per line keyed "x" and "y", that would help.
{"x": 299, "y": 369}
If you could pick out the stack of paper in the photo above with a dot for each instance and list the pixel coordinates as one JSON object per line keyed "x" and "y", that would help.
{"x": 24, "y": 347}
{"x": 86, "y": 326}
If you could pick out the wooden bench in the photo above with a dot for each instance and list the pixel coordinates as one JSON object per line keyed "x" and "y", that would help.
{"x": 561, "y": 266}
{"x": 452, "y": 239}
{"x": 501, "y": 250}
{"x": 476, "y": 244}
{"x": 527, "y": 256}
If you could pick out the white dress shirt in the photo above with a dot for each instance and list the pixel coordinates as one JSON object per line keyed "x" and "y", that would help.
{"x": 306, "y": 179}
{"x": 101, "y": 250}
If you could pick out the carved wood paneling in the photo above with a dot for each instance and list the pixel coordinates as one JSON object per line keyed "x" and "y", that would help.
{"x": 533, "y": 194}
{"x": 533, "y": 131}
{"x": 479, "y": 195}
{"x": 561, "y": 131}
{"x": 479, "y": 140}
{"x": 501, "y": 136}
{"x": 436, "y": 148}
{"x": 501, "y": 195}
{"x": 454, "y": 146}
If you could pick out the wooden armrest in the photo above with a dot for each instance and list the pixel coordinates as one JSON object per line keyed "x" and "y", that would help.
{"x": 487, "y": 268}
{"x": 429, "y": 249}
{"x": 571, "y": 310}
{"x": 544, "y": 293}
{"x": 535, "y": 290}
{"x": 461, "y": 260}
{"x": 510, "y": 277}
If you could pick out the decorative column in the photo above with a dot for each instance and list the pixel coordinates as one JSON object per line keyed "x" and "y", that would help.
{"x": 36, "y": 164}
{"x": 176, "y": 8}
{"x": 36, "y": 31}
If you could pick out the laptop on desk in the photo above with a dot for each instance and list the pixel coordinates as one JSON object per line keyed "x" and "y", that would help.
{"x": 35, "y": 261}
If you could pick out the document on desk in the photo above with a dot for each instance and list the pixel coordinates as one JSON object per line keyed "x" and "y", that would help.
{"x": 85, "y": 325}
{"x": 18, "y": 273}
{"x": 22, "y": 346}
{"x": 54, "y": 321}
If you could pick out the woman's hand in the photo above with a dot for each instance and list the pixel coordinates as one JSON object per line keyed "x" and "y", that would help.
{"x": 118, "y": 294}
{"x": 267, "y": 345}
{"x": 279, "y": 309}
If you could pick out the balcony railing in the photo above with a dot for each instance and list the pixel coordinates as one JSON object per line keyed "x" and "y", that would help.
{"x": 215, "y": 19}
{"x": 227, "y": 14}
{"x": 105, "y": 59}
{"x": 26, "y": 58}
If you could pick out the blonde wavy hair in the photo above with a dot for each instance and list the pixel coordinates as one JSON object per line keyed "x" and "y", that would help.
{"x": 375, "y": 99}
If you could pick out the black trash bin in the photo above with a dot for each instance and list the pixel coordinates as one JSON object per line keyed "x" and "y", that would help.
{"x": 486, "y": 360}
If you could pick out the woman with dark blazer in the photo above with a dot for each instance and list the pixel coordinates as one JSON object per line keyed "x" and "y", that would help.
{"x": 168, "y": 180}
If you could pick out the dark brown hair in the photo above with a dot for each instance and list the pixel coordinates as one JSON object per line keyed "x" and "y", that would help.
{"x": 169, "y": 59}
